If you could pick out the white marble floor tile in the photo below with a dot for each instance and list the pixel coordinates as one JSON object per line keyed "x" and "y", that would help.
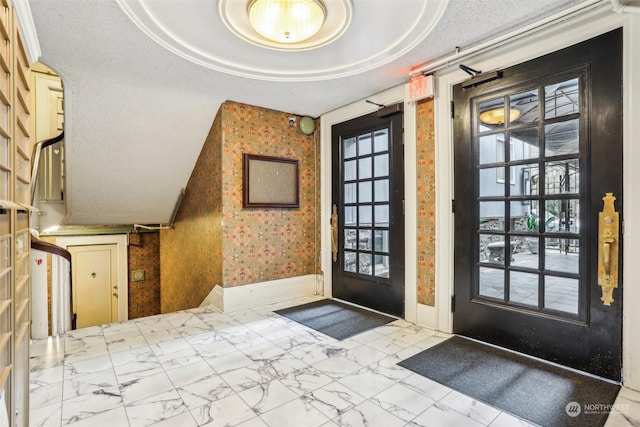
{"x": 253, "y": 422}
{"x": 229, "y": 362}
{"x": 337, "y": 367}
{"x": 265, "y": 397}
{"x": 305, "y": 380}
{"x": 442, "y": 416}
{"x": 86, "y": 366}
{"x": 246, "y": 378}
{"x": 470, "y": 407}
{"x": 229, "y": 411}
{"x": 507, "y": 420}
{"x": 202, "y": 392}
{"x": 113, "y": 417}
{"x": 179, "y": 359}
{"x": 48, "y": 375}
{"x": 46, "y": 346}
{"x": 88, "y": 405}
{"x": 184, "y": 419}
{"x": 295, "y": 413}
{"x": 45, "y": 394}
{"x": 368, "y": 414}
{"x": 367, "y": 382}
{"x": 402, "y": 401}
{"x": 46, "y": 416}
{"x": 145, "y": 386}
{"x": 127, "y": 344}
{"x": 433, "y": 390}
{"x": 334, "y": 399}
{"x": 188, "y": 374}
{"x": 155, "y": 409}
{"x": 104, "y": 380}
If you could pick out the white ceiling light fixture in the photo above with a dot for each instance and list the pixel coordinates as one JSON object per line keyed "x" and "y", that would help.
{"x": 287, "y": 21}
{"x": 287, "y": 24}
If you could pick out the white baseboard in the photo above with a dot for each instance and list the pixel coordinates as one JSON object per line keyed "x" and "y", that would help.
{"x": 427, "y": 316}
{"x": 247, "y": 296}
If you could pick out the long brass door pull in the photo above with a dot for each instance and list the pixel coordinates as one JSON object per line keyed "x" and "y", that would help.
{"x": 608, "y": 248}
{"x": 334, "y": 233}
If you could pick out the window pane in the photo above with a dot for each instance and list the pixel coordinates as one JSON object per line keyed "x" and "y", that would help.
{"x": 562, "y": 255}
{"x": 561, "y": 138}
{"x": 365, "y": 168}
{"x": 350, "y": 261}
{"x": 562, "y": 177}
{"x": 381, "y": 165}
{"x": 381, "y": 265}
{"x": 492, "y": 216}
{"x": 525, "y": 252}
{"x": 364, "y": 191}
{"x": 382, "y": 215}
{"x": 350, "y": 193}
{"x": 562, "y": 216}
{"x": 525, "y": 144}
{"x": 561, "y": 294}
{"x": 492, "y": 182}
{"x": 350, "y": 170}
{"x": 350, "y": 215}
{"x": 350, "y": 239}
{"x": 381, "y": 190}
{"x": 364, "y": 264}
{"x": 349, "y": 148}
{"x": 381, "y": 240}
{"x": 364, "y": 144}
{"x": 520, "y": 215}
{"x": 491, "y": 248}
{"x": 561, "y": 99}
{"x": 365, "y": 216}
{"x": 488, "y": 148}
{"x": 364, "y": 240}
{"x": 491, "y": 283}
{"x": 524, "y": 106}
{"x": 523, "y": 288}
{"x": 491, "y": 114}
{"x": 381, "y": 140}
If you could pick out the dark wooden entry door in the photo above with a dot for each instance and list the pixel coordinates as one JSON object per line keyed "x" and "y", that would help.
{"x": 368, "y": 219}
{"x": 535, "y": 153}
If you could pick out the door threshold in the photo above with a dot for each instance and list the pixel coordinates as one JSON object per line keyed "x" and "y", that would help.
{"x": 365, "y": 308}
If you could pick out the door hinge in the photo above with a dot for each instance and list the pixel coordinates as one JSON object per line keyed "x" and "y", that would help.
{"x": 452, "y": 110}
{"x": 453, "y": 303}
{"x": 453, "y": 206}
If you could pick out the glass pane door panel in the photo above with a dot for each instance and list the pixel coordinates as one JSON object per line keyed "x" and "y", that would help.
{"x": 488, "y": 148}
{"x": 492, "y": 249}
{"x": 350, "y": 148}
{"x": 562, "y": 216}
{"x": 562, "y": 99}
{"x": 524, "y": 106}
{"x": 491, "y": 115}
{"x": 381, "y": 165}
{"x": 381, "y": 240}
{"x": 525, "y": 144}
{"x": 350, "y": 261}
{"x": 350, "y": 238}
{"x": 492, "y": 216}
{"x": 381, "y": 268}
{"x": 364, "y": 217}
{"x": 492, "y": 182}
{"x": 350, "y": 170}
{"x": 525, "y": 253}
{"x": 364, "y": 266}
{"x": 562, "y": 255}
{"x": 381, "y": 190}
{"x": 561, "y": 293}
{"x": 364, "y": 144}
{"x": 350, "y": 193}
{"x": 491, "y": 283}
{"x": 364, "y": 168}
{"x": 381, "y": 140}
{"x": 561, "y": 138}
{"x": 364, "y": 191}
{"x": 523, "y": 288}
{"x": 562, "y": 177}
{"x": 364, "y": 240}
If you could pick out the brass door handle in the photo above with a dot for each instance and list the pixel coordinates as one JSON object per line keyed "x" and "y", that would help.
{"x": 334, "y": 233}
{"x": 608, "y": 244}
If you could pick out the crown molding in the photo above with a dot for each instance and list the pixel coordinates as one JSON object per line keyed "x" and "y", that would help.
{"x": 27, "y": 29}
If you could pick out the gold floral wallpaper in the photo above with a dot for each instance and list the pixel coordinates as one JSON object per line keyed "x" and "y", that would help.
{"x": 426, "y": 202}
{"x": 215, "y": 240}
{"x": 191, "y": 252}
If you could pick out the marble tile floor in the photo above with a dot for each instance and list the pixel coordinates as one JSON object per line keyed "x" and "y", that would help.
{"x": 250, "y": 368}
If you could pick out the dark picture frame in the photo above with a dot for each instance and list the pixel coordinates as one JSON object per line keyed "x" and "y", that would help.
{"x": 270, "y": 182}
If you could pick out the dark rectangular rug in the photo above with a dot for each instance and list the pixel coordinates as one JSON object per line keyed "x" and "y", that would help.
{"x": 334, "y": 318}
{"x": 528, "y": 388}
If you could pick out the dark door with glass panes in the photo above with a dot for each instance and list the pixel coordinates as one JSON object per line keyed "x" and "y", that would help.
{"x": 535, "y": 153}
{"x": 367, "y": 212}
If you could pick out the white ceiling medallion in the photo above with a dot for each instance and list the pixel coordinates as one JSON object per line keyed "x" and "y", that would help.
{"x": 357, "y": 36}
{"x": 235, "y": 15}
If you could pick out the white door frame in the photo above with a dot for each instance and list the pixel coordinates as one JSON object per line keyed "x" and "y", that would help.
{"x": 121, "y": 241}
{"x": 546, "y": 42}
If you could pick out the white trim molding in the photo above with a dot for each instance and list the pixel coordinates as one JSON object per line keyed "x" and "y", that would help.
{"x": 27, "y": 30}
{"x": 262, "y": 293}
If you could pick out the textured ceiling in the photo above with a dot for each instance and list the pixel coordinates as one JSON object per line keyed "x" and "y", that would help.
{"x": 137, "y": 113}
